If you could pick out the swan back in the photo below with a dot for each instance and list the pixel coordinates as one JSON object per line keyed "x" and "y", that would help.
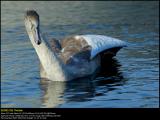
{"x": 74, "y": 50}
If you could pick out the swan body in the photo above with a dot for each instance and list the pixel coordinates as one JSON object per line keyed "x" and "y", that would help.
{"x": 74, "y": 56}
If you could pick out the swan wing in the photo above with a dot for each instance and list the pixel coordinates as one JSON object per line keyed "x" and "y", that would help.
{"x": 101, "y": 43}
{"x": 86, "y": 47}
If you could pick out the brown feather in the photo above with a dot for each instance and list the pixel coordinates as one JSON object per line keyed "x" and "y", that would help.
{"x": 74, "y": 49}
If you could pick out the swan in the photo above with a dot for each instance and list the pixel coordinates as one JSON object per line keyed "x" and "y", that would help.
{"x": 74, "y": 56}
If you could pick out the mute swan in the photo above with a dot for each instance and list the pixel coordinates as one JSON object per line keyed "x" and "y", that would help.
{"x": 73, "y": 57}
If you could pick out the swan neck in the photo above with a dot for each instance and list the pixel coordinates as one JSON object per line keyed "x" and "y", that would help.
{"x": 52, "y": 65}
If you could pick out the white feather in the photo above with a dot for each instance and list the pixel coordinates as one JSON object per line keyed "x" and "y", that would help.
{"x": 100, "y": 43}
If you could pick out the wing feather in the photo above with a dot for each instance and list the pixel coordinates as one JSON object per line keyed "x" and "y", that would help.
{"x": 100, "y": 43}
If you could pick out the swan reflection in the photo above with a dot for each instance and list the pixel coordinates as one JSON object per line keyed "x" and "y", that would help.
{"x": 53, "y": 92}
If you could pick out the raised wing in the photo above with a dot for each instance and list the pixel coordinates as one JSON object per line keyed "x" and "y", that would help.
{"x": 101, "y": 43}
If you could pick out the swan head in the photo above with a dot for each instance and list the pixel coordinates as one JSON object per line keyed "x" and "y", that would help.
{"x": 32, "y": 25}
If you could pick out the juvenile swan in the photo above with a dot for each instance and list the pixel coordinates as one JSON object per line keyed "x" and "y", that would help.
{"x": 73, "y": 57}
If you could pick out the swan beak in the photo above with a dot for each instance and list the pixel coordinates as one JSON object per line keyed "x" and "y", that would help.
{"x": 36, "y": 35}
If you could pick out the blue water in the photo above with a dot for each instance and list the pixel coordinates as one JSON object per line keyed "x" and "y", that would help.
{"x": 130, "y": 80}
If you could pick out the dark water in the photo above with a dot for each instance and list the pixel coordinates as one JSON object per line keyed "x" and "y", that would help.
{"x": 131, "y": 79}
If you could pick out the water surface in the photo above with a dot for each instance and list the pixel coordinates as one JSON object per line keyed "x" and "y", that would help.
{"x": 131, "y": 79}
